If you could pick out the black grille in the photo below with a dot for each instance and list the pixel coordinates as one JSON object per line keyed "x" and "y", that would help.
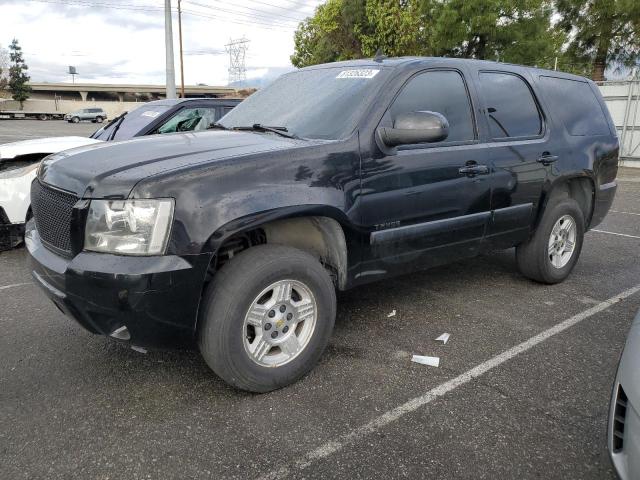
{"x": 52, "y": 211}
{"x": 619, "y": 417}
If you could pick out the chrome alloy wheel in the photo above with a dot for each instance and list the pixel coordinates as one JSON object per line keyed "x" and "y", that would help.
{"x": 279, "y": 323}
{"x": 562, "y": 241}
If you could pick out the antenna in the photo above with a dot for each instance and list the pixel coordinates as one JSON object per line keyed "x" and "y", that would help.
{"x": 237, "y": 52}
{"x": 379, "y": 56}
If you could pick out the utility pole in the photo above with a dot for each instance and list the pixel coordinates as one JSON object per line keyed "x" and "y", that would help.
{"x": 168, "y": 38}
{"x": 181, "y": 56}
{"x": 237, "y": 51}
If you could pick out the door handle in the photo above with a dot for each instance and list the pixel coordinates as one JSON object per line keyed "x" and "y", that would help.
{"x": 473, "y": 169}
{"x": 547, "y": 159}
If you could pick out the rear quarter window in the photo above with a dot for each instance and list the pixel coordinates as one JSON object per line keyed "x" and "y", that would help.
{"x": 575, "y": 104}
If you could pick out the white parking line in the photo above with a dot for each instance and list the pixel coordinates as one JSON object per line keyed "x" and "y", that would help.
{"x": 334, "y": 446}
{"x": 15, "y": 285}
{"x": 626, "y": 213}
{"x": 614, "y": 233}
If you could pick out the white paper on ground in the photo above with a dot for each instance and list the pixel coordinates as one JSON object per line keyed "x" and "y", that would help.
{"x": 444, "y": 338}
{"x": 392, "y": 314}
{"x": 424, "y": 360}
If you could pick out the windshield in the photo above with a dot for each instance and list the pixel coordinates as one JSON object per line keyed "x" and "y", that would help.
{"x": 320, "y": 103}
{"x": 132, "y": 123}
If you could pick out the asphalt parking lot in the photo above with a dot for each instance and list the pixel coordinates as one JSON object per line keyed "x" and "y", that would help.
{"x": 15, "y": 130}
{"x": 74, "y": 405}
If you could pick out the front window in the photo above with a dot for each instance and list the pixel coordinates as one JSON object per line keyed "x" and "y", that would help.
{"x": 319, "y": 103}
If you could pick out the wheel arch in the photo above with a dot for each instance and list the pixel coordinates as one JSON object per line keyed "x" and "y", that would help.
{"x": 319, "y": 230}
{"x": 579, "y": 187}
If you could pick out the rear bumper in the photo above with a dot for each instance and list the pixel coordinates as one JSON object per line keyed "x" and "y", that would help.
{"x": 155, "y": 298}
{"x": 603, "y": 201}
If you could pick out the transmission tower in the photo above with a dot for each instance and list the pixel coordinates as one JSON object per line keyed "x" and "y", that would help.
{"x": 237, "y": 51}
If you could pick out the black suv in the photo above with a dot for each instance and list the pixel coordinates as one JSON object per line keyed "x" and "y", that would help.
{"x": 331, "y": 177}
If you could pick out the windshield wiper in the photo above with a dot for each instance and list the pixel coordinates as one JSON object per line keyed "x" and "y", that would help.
{"x": 108, "y": 125}
{"x": 116, "y": 122}
{"x": 258, "y": 127}
{"x": 218, "y": 126}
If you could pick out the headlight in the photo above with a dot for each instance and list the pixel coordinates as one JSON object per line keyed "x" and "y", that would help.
{"x": 128, "y": 227}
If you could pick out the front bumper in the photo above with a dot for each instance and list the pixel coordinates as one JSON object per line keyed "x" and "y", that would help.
{"x": 155, "y": 298}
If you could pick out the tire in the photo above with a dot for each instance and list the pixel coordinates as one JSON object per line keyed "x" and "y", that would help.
{"x": 75, "y": 120}
{"x": 225, "y": 339}
{"x": 43, "y": 117}
{"x": 535, "y": 258}
{"x": 99, "y": 119}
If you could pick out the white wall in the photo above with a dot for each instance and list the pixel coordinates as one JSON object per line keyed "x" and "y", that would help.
{"x": 66, "y": 106}
{"x": 623, "y": 101}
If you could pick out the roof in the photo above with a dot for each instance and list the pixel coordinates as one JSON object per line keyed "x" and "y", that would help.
{"x": 408, "y": 62}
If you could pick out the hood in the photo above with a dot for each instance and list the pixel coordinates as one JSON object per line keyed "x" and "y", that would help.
{"x": 112, "y": 169}
{"x": 43, "y": 146}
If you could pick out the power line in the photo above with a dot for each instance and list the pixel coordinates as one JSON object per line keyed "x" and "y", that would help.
{"x": 272, "y": 25}
{"x": 264, "y": 15}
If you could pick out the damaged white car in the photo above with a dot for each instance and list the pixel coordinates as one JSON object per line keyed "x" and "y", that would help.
{"x": 18, "y": 165}
{"x": 19, "y": 160}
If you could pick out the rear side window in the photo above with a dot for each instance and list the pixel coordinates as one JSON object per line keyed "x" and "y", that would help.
{"x": 511, "y": 108}
{"x": 575, "y": 104}
{"x": 442, "y": 92}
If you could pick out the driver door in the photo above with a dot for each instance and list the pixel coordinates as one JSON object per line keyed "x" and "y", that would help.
{"x": 421, "y": 204}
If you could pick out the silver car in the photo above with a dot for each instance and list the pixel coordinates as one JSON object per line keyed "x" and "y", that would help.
{"x": 95, "y": 115}
{"x": 624, "y": 415}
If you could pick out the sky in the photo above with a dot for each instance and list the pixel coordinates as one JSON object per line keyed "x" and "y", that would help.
{"x": 122, "y": 41}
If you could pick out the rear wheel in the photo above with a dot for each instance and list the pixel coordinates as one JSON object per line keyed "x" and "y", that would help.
{"x": 267, "y": 317}
{"x": 552, "y": 252}
{"x": 98, "y": 119}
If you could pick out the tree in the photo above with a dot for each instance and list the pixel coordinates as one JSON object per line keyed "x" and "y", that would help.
{"x": 331, "y": 34}
{"x": 601, "y": 32}
{"x": 507, "y": 30}
{"x": 517, "y": 31}
{"x": 18, "y": 77}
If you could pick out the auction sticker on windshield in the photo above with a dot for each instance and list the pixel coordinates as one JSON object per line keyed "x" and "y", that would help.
{"x": 151, "y": 113}
{"x": 358, "y": 73}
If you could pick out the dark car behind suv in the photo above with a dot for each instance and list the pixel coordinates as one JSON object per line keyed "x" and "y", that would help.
{"x": 333, "y": 176}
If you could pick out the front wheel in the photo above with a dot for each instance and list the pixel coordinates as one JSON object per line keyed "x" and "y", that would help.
{"x": 552, "y": 252}
{"x": 75, "y": 120}
{"x": 266, "y": 317}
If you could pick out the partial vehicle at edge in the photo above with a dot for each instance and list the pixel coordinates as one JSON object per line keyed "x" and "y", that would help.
{"x": 624, "y": 413}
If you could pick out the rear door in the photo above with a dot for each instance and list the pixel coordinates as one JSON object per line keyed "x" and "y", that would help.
{"x": 424, "y": 205}
{"x": 517, "y": 139}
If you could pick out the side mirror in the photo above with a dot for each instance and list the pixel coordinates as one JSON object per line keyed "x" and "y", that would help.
{"x": 415, "y": 127}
